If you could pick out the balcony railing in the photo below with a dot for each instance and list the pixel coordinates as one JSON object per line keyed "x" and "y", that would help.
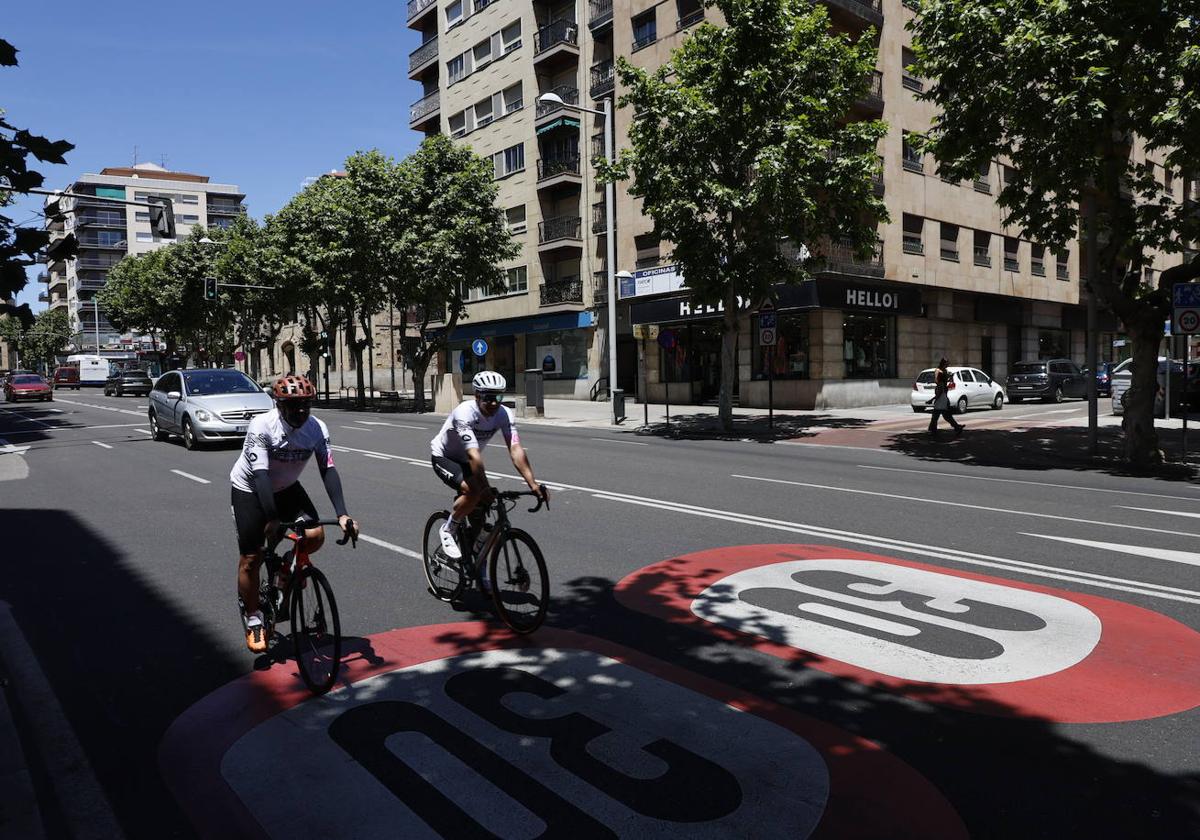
{"x": 913, "y": 163}
{"x": 93, "y": 262}
{"x": 424, "y": 106}
{"x": 415, "y": 7}
{"x": 1063, "y": 273}
{"x": 422, "y": 54}
{"x": 97, "y": 242}
{"x": 559, "y": 32}
{"x": 949, "y": 253}
{"x": 598, "y": 146}
{"x": 869, "y": 10}
{"x": 560, "y": 227}
{"x": 841, "y": 259}
{"x": 913, "y": 244}
{"x": 600, "y": 219}
{"x": 600, "y": 12}
{"x": 983, "y": 257}
{"x": 983, "y": 185}
{"x": 551, "y": 167}
{"x": 645, "y": 40}
{"x": 1037, "y": 268}
{"x": 912, "y": 83}
{"x": 690, "y": 19}
{"x": 114, "y": 220}
{"x": 226, "y": 209}
{"x": 1011, "y": 264}
{"x": 43, "y": 297}
{"x": 603, "y": 79}
{"x": 569, "y": 96}
{"x": 569, "y": 290}
{"x": 87, "y": 284}
{"x": 873, "y": 98}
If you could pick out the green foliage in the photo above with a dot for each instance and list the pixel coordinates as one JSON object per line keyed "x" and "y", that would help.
{"x": 20, "y": 247}
{"x": 41, "y": 340}
{"x": 1067, "y": 92}
{"x": 741, "y": 143}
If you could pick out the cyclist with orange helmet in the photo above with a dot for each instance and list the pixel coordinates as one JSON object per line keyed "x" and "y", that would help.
{"x": 266, "y": 488}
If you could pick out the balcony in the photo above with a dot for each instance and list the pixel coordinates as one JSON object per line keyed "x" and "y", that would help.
{"x": 865, "y": 11}
{"x": 98, "y": 263}
{"x": 108, "y": 220}
{"x": 569, "y": 96}
{"x": 983, "y": 258}
{"x": 841, "y": 259}
{"x": 569, "y": 290}
{"x": 90, "y": 284}
{"x": 872, "y": 100}
{"x": 103, "y": 244}
{"x": 43, "y": 297}
{"x": 417, "y": 9}
{"x": 226, "y": 209}
{"x": 877, "y": 186}
{"x": 561, "y": 231}
{"x": 600, "y": 15}
{"x": 603, "y": 79}
{"x": 556, "y": 43}
{"x": 55, "y": 281}
{"x": 424, "y": 109}
{"x": 420, "y": 58}
{"x": 556, "y": 167}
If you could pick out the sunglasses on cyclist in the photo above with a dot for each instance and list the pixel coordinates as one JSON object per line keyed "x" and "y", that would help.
{"x": 490, "y": 399}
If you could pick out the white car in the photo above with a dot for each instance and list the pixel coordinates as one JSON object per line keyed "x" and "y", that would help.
{"x": 968, "y": 388}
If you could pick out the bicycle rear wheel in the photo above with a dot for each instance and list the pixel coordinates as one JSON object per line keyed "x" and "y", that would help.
{"x": 520, "y": 583}
{"x": 442, "y": 574}
{"x": 316, "y": 629}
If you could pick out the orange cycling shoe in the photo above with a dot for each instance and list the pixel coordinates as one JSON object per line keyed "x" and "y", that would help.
{"x": 256, "y": 635}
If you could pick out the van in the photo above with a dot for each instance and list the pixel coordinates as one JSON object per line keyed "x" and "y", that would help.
{"x": 93, "y": 369}
{"x": 66, "y": 376}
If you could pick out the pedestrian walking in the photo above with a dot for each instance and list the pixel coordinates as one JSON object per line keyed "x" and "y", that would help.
{"x": 941, "y": 400}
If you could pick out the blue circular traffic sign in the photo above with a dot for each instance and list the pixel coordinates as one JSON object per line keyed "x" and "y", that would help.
{"x": 479, "y": 347}
{"x": 667, "y": 339}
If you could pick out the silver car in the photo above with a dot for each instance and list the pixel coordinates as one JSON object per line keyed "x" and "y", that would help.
{"x": 205, "y": 404}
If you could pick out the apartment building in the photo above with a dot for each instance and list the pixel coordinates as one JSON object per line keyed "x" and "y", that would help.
{"x": 107, "y": 231}
{"x": 948, "y": 277}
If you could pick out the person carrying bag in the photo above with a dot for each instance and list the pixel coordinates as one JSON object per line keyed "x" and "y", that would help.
{"x": 941, "y": 400}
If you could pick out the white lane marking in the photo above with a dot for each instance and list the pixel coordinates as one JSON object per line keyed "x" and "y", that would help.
{"x": 399, "y": 550}
{"x": 1167, "y": 512}
{"x": 143, "y": 431}
{"x": 341, "y": 448}
{"x": 393, "y": 425}
{"x": 192, "y": 477}
{"x": 102, "y": 445}
{"x": 968, "y": 558}
{"x": 377, "y": 457}
{"x": 356, "y": 429}
{"x": 1189, "y": 558}
{"x": 1019, "y": 481}
{"x": 75, "y": 428}
{"x": 101, "y": 407}
{"x": 1008, "y": 511}
{"x": 1022, "y": 567}
{"x": 21, "y": 418}
{"x": 7, "y": 448}
{"x": 613, "y": 440}
{"x": 56, "y": 410}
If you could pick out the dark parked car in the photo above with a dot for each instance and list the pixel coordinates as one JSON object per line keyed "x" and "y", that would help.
{"x": 122, "y": 382}
{"x": 1045, "y": 379}
{"x": 66, "y": 376}
{"x": 1104, "y": 372}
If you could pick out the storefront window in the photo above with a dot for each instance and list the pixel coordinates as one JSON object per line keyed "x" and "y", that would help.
{"x": 868, "y": 346}
{"x": 561, "y": 354}
{"x": 790, "y": 359}
{"x": 1054, "y": 344}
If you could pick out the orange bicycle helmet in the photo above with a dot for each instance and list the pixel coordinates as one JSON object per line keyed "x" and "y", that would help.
{"x": 293, "y": 387}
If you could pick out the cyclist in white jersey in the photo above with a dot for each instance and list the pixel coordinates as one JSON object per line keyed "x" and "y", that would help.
{"x": 458, "y": 453}
{"x": 266, "y": 488}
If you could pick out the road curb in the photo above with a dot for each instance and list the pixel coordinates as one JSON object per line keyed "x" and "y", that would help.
{"x": 79, "y": 800}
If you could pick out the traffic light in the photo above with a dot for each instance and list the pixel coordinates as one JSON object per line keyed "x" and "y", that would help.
{"x": 162, "y": 217}
{"x": 62, "y": 249}
{"x": 55, "y": 209}
{"x": 210, "y": 288}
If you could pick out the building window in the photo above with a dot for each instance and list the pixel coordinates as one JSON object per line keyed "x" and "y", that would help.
{"x": 189, "y": 199}
{"x": 483, "y": 112}
{"x": 648, "y": 254}
{"x": 1054, "y": 344}
{"x": 868, "y": 346}
{"x": 561, "y": 354}
{"x": 456, "y": 68}
{"x": 1037, "y": 260}
{"x": 914, "y": 236}
{"x": 983, "y": 249}
{"x": 517, "y": 279}
{"x": 983, "y": 180}
{"x": 458, "y": 124}
{"x": 513, "y": 98}
{"x": 515, "y": 219}
{"x": 908, "y": 78}
{"x": 510, "y": 37}
{"x": 454, "y": 13}
{"x": 949, "y": 242}
{"x": 913, "y": 161}
{"x": 690, "y": 13}
{"x": 645, "y": 30}
{"x": 1012, "y": 247}
{"x": 1169, "y": 181}
{"x": 788, "y": 359}
{"x": 510, "y": 160}
{"x": 1062, "y": 268}
{"x": 142, "y": 216}
{"x": 482, "y": 53}
{"x": 187, "y": 219}
{"x": 144, "y": 236}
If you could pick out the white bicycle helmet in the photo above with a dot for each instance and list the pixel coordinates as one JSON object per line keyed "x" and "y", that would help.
{"x": 488, "y": 381}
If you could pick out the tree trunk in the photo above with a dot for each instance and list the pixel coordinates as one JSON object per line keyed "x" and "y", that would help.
{"x": 420, "y": 364}
{"x": 728, "y": 362}
{"x": 1137, "y": 421}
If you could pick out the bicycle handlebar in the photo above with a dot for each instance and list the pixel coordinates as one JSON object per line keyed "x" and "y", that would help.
{"x": 512, "y": 495}
{"x": 300, "y": 525}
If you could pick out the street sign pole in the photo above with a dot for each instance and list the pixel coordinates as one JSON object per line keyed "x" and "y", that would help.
{"x": 768, "y": 337}
{"x": 645, "y": 384}
{"x": 771, "y": 389}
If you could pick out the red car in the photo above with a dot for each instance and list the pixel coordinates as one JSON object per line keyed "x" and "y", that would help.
{"x": 27, "y": 386}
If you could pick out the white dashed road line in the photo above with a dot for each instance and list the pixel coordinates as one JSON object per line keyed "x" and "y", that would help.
{"x": 195, "y": 478}
{"x": 102, "y": 445}
{"x": 393, "y": 425}
{"x": 613, "y": 440}
{"x": 399, "y": 550}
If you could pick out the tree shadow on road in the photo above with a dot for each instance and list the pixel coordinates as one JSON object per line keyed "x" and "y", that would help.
{"x": 707, "y": 426}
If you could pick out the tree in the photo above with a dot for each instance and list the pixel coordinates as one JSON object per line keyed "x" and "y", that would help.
{"x": 741, "y": 144}
{"x": 20, "y": 247}
{"x": 139, "y": 296}
{"x": 42, "y": 340}
{"x": 1068, "y": 92}
{"x": 450, "y": 236}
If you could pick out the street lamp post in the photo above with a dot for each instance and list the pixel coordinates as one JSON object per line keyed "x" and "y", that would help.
{"x": 610, "y": 245}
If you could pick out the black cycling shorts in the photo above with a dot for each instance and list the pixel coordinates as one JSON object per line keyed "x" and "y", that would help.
{"x": 452, "y": 473}
{"x": 290, "y": 503}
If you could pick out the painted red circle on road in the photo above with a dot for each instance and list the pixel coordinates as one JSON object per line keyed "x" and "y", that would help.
{"x": 1139, "y": 665}
{"x": 870, "y": 792}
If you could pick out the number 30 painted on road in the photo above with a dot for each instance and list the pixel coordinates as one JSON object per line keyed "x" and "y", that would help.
{"x": 998, "y": 646}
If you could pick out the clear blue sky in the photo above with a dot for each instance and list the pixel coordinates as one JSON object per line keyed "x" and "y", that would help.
{"x": 259, "y": 93}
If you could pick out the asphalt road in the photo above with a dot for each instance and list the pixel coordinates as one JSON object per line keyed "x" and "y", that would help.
{"x": 1043, "y": 680}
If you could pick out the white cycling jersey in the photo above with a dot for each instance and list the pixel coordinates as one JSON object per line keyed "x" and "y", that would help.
{"x": 273, "y": 445}
{"x": 469, "y": 428}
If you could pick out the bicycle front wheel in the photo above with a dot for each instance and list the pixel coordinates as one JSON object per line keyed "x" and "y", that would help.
{"x": 520, "y": 583}
{"x": 316, "y": 629}
{"x": 442, "y": 574}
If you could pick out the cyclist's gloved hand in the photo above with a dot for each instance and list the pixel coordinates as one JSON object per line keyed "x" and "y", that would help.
{"x": 543, "y": 492}
{"x": 349, "y": 526}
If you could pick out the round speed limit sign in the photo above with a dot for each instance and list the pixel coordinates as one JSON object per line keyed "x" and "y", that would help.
{"x": 766, "y": 337}
{"x": 1189, "y": 321}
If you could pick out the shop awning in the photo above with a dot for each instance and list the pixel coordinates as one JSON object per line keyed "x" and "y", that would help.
{"x": 520, "y": 326}
{"x": 563, "y": 122}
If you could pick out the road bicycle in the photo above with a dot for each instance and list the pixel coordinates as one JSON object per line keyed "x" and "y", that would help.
{"x": 515, "y": 568}
{"x": 308, "y": 602}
